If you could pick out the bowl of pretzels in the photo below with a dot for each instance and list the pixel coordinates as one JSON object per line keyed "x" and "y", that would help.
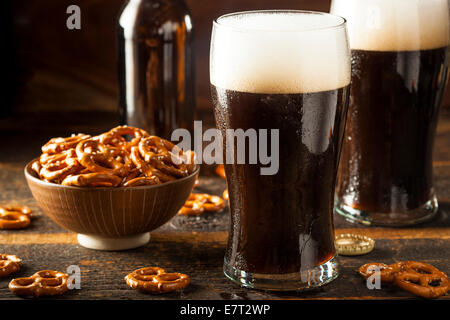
{"x": 114, "y": 188}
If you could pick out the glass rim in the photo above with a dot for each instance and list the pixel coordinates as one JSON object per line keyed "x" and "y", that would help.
{"x": 341, "y": 24}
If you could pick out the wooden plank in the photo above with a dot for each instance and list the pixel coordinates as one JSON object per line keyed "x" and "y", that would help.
{"x": 221, "y": 236}
{"x": 102, "y": 272}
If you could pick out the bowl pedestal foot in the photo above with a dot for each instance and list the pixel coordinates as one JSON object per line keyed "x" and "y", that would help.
{"x": 113, "y": 244}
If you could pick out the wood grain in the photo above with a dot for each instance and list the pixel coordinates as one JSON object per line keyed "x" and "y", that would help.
{"x": 221, "y": 236}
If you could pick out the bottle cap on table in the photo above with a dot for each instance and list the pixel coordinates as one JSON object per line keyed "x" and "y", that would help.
{"x": 349, "y": 244}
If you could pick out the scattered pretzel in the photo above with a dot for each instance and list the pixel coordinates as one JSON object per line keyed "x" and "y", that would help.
{"x": 156, "y": 280}
{"x": 191, "y": 208}
{"x": 197, "y": 203}
{"x": 42, "y": 283}
{"x": 110, "y": 160}
{"x": 419, "y": 278}
{"x": 14, "y": 220}
{"x": 21, "y": 209}
{"x": 387, "y": 272}
{"x": 220, "y": 170}
{"x": 8, "y": 264}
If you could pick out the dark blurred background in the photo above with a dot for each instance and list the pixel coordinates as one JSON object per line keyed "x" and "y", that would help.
{"x": 56, "y": 75}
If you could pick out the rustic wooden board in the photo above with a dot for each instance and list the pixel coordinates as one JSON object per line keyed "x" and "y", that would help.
{"x": 200, "y": 255}
{"x": 195, "y": 245}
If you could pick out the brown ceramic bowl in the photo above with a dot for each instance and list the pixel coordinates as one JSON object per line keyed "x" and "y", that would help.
{"x": 111, "y": 218}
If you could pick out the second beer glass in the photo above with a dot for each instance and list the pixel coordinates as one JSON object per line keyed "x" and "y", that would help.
{"x": 400, "y": 67}
{"x": 290, "y": 71}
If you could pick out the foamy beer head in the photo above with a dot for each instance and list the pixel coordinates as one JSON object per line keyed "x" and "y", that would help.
{"x": 279, "y": 52}
{"x": 395, "y": 25}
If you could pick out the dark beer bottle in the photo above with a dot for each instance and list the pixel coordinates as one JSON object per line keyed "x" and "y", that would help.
{"x": 156, "y": 66}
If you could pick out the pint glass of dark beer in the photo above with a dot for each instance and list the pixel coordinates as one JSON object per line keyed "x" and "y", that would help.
{"x": 286, "y": 72}
{"x": 399, "y": 74}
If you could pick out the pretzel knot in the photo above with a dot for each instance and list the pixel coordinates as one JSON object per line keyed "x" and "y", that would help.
{"x": 42, "y": 283}
{"x": 20, "y": 209}
{"x": 386, "y": 272}
{"x": 166, "y": 156}
{"x": 419, "y": 278}
{"x": 8, "y": 264}
{"x": 422, "y": 279}
{"x": 197, "y": 203}
{"x": 14, "y": 220}
{"x": 57, "y": 145}
{"x": 95, "y": 179}
{"x": 116, "y": 136}
{"x": 156, "y": 280}
{"x": 142, "y": 181}
{"x": 58, "y": 170}
{"x": 97, "y": 157}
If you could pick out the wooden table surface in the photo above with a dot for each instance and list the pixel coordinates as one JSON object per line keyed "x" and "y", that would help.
{"x": 193, "y": 245}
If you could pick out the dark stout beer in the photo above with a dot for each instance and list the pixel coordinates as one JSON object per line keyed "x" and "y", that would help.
{"x": 386, "y": 163}
{"x": 399, "y": 74}
{"x": 283, "y": 223}
{"x": 287, "y": 71}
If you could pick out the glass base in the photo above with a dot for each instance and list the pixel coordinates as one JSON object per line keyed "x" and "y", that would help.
{"x": 393, "y": 219}
{"x": 308, "y": 279}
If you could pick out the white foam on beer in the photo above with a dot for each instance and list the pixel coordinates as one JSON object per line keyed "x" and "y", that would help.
{"x": 395, "y": 25}
{"x": 280, "y": 53}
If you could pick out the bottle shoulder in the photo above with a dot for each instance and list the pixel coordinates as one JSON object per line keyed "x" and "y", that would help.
{"x": 153, "y": 13}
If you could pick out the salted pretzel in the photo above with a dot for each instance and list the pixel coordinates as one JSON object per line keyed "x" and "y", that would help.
{"x": 116, "y": 135}
{"x": 104, "y": 163}
{"x": 112, "y": 160}
{"x": 162, "y": 153}
{"x": 42, "y": 283}
{"x": 47, "y": 158}
{"x": 386, "y": 272}
{"x": 220, "y": 170}
{"x": 58, "y": 170}
{"x": 156, "y": 280}
{"x": 418, "y": 278}
{"x": 14, "y": 220}
{"x": 20, "y": 209}
{"x": 57, "y": 145}
{"x": 142, "y": 181}
{"x": 91, "y": 145}
{"x": 8, "y": 264}
{"x": 197, "y": 203}
{"x": 422, "y": 279}
{"x": 95, "y": 179}
{"x": 132, "y": 174}
{"x": 146, "y": 168}
{"x": 191, "y": 208}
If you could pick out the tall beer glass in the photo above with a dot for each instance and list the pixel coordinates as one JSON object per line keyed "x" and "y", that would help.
{"x": 287, "y": 71}
{"x": 399, "y": 74}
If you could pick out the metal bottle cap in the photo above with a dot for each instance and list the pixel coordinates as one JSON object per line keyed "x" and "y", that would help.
{"x": 349, "y": 244}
